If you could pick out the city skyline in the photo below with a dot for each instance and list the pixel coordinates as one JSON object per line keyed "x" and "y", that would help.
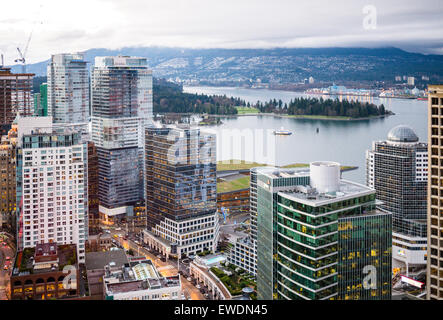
{"x": 411, "y": 26}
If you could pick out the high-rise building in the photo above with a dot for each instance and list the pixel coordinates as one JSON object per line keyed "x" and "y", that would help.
{"x": 15, "y": 96}
{"x": 68, "y": 88}
{"x": 435, "y": 195}
{"x": 320, "y": 237}
{"x": 411, "y": 81}
{"x": 181, "y": 190}
{"x": 41, "y": 101}
{"x": 7, "y": 179}
{"x": 121, "y": 109}
{"x": 93, "y": 198}
{"x": 52, "y": 196}
{"x": 398, "y": 170}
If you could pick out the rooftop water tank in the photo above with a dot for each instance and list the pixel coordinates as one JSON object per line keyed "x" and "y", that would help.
{"x": 325, "y": 176}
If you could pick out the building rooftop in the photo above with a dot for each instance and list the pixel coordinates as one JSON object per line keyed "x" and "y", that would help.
{"x": 43, "y": 258}
{"x": 310, "y": 196}
{"x": 138, "y": 274}
{"x": 402, "y": 133}
{"x": 274, "y": 173}
{"x": 98, "y": 260}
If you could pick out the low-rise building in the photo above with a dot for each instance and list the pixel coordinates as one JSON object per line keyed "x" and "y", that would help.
{"x": 140, "y": 280}
{"x": 47, "y": 271}
{"x": 243, "y": 254}
{"x": 95, "y": 268}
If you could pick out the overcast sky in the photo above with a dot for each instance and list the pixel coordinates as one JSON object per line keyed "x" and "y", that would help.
{"x": 67, "y": 26}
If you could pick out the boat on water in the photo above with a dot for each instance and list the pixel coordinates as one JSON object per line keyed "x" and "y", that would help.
{"x": 282, "y": 133}
{"x": 422, "y": 99}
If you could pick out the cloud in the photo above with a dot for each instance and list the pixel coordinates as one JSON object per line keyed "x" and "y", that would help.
{"x": 59, "y": 27}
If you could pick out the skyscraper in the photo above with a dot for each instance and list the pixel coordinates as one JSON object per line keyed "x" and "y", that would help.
{"x": 15, "y": 97}
{"x": 398, "y": 170}
{"x": 320, "y": 237}
{"x": 7, "y": 179}
{"x": 41, "y": 101}
{"x": 181, "y": 190}
{"x": 68, "y": 88}
{"x": 435, "y": 194}
{"x": 51, "y": 185}
{"x": 121, "y": 108}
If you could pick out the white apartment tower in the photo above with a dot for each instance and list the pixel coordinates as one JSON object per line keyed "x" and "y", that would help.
{"x": 52, "y": 185}
{"x": 68, "y": 88}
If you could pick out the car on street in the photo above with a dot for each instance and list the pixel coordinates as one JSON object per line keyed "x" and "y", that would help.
{"x": 189, "y": 279}
{"x": 198, "y": 286}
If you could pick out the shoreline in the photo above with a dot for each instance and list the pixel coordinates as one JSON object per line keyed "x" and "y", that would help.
{"x": 304, "y": 92}
{"x": 308, "y": 117}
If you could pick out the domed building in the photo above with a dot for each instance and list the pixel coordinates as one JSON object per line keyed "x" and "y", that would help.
{"x": 402, "y": 134}
{"x": 397, "y": 169}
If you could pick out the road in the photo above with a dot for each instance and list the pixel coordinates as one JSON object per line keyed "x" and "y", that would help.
{"x": 5, "y": 274}
{"x": 166, "y": 268}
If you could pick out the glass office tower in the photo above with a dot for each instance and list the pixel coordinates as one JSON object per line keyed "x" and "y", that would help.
{"x": 121, "y": 109}
{"x": 325, "y": 233}
{"x": 398, "y": 170}
{"x": 181, "y": 188}
{"x": 68, "y": 88}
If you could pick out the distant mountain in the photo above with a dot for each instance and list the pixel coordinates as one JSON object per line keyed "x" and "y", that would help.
{"x": 280, "y": 65}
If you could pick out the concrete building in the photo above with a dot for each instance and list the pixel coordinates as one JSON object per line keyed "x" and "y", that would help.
{"x": 95, "y": 264}
{"x": 435, "y": 194}
{"x": 181, "y": 190}
{"x": 121, "y": 109}
{"x": 140, "y": 280}
{"x": 68, "y": 88}
{"x": 397, "y": 169}
{"x": 8, "y": 145}
{"x": 52, "y": 185}
{"x": 41, "y": 273}
{"x": 411, "y": 81}
{"x": 243, "y": 254}
{"x": 317, "y": 234}
{"x": 15, "y": 96}
{"x": 205, "y": 277}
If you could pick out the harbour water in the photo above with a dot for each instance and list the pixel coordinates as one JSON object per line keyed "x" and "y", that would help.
{"x": 343, "y": 141}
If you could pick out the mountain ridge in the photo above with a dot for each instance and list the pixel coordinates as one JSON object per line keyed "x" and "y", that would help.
{"x": 276, "y": 65}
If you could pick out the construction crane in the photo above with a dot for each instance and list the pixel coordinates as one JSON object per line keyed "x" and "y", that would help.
{"x": 22, "y": 58}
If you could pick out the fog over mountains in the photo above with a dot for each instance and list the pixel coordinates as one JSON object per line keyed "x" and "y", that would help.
{"x": 279, "y": 65}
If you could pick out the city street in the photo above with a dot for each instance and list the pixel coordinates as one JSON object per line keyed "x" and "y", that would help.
{"x": 4, "y": 274}
{"x": 166, "y": 268}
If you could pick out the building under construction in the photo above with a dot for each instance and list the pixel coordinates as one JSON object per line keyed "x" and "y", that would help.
{"x": 15, "y": 97}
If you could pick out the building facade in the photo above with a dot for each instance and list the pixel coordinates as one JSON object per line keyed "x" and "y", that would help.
{"x": 398, "y": 170}
{"x": 8, "y": 145}
{"x": 181, "y": 189}
{"x": 52, "y": 185}
{"x": 15, "y": 95}
{"x": 326, "y": 237}
{"x": 68, "y": 88}
{"x": 140, "y": 280}
{"x": 435, "y": 194}
{"x": 121, "y": 109}
{"x": 41, "y": 101}
{"x": 39, "y": 273}
{"x": 93, "y": 197}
